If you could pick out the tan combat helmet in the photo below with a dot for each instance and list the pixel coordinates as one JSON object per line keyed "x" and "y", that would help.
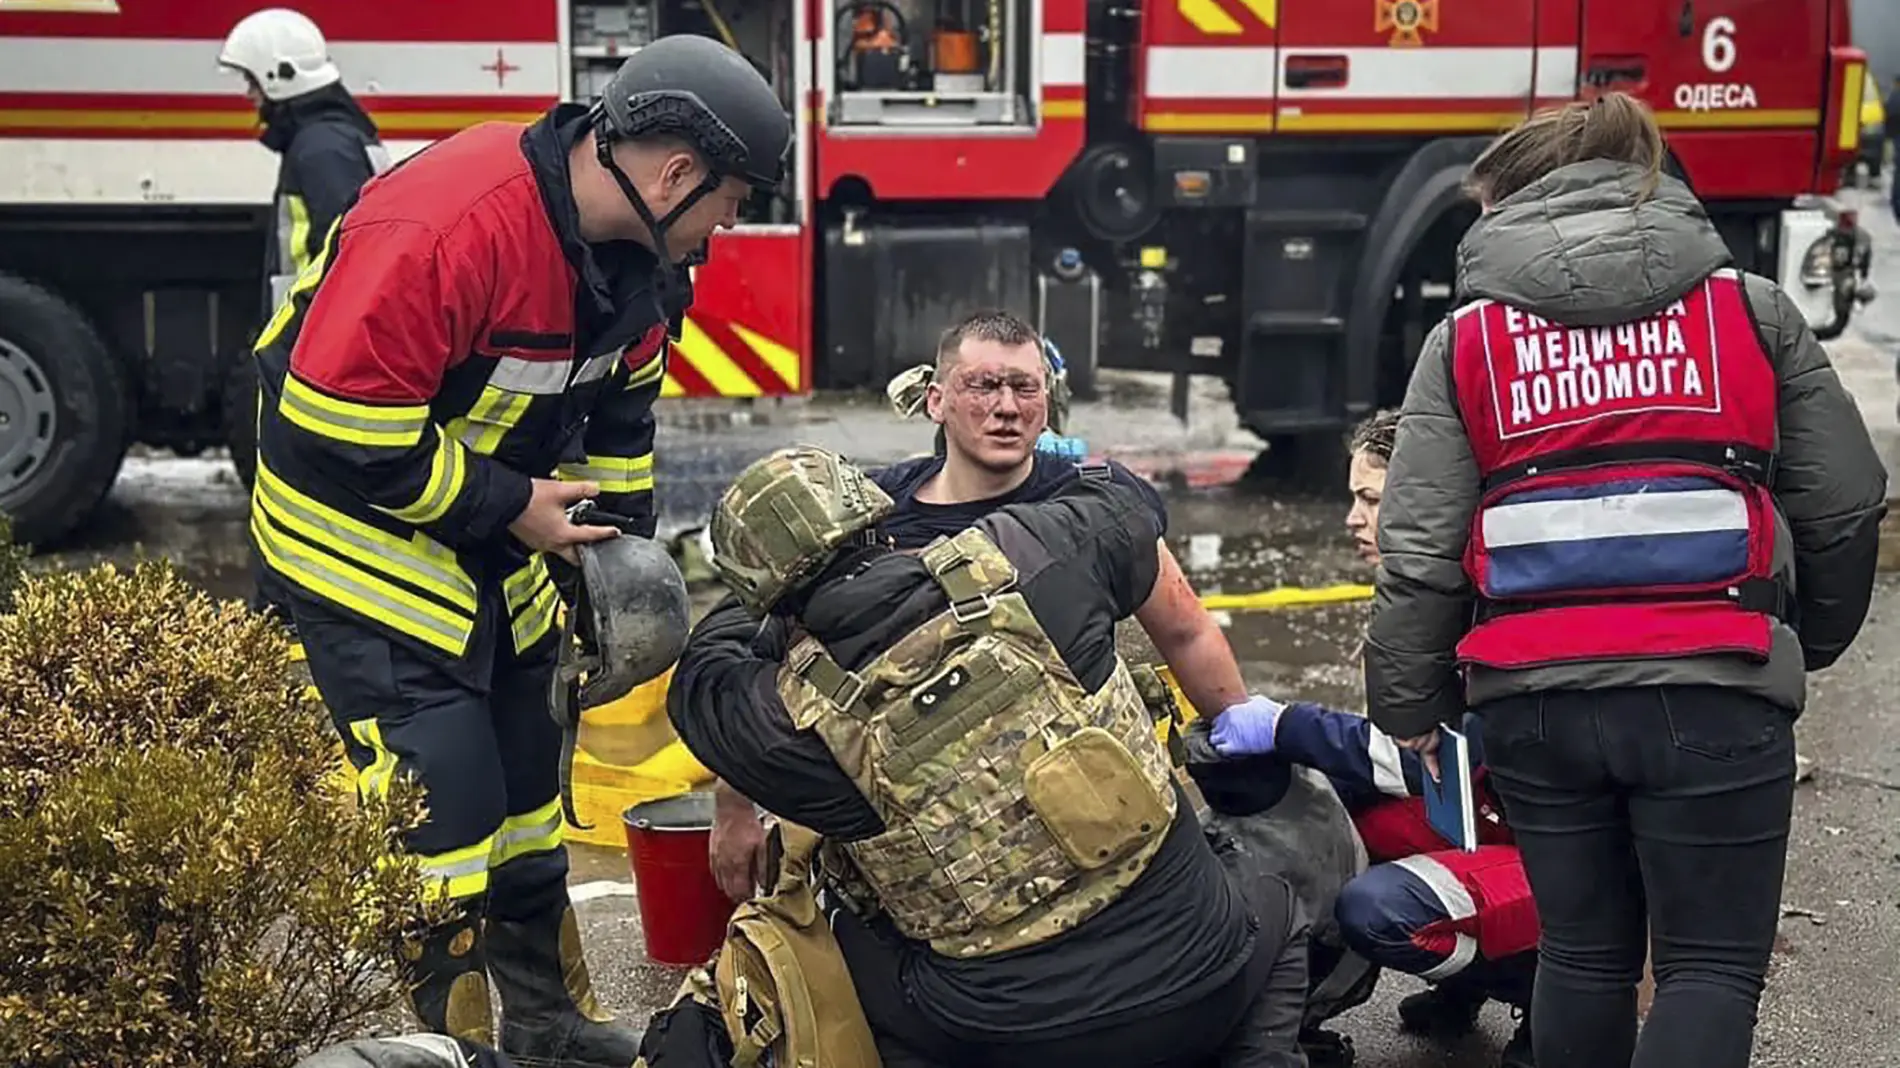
{"x": 784, "y": 515}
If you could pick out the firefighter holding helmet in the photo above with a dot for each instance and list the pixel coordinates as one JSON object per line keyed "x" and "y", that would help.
{"x": 472, "y": 356}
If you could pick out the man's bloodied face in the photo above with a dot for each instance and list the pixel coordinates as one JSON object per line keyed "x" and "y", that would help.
{"x": 1366, "y": 480}
{"x": 992, "y": 401}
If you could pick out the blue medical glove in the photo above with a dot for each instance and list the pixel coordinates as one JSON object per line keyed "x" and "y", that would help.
{"x": 1065, "y": 447}
{"x": 1246, "y": 729}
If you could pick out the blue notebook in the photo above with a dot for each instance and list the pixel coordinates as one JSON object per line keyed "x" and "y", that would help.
{"x": 1450, "y": 806}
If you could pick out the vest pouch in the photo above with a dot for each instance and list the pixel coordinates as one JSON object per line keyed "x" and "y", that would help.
{"x": 1648, "y": 528}
{"x": 784, "y": 991}
{"x": 1092, "y": 795}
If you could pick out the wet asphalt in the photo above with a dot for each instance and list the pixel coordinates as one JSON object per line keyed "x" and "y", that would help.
{"x": 1831, "y": 997}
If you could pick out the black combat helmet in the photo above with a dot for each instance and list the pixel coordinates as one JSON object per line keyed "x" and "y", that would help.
{"x": 698, "y": 90}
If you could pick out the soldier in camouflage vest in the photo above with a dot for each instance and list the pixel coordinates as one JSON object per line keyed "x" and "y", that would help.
{"x": 1002, "y": 823}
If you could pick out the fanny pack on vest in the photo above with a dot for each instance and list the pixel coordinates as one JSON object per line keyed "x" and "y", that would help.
{"x": 784, "y": 990}
{"x": 1627, "y": 509}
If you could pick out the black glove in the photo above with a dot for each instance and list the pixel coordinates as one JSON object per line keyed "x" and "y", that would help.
{"x": 589, "y": 514}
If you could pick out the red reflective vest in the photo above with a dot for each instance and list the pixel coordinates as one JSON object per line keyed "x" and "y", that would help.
{"x": 1626, "y": 511}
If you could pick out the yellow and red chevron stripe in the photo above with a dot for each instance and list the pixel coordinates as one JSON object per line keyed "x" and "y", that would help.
{"x": 716, "y": 357}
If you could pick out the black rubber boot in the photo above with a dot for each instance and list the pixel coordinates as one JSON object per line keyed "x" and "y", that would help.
{"x": 549, "y": 1018}
{"x": 1326, "y": 1049}
{"x": 1446, "y": 1010}
{"x": 1517, "y": 1052}
{"x": 445, "y": 970}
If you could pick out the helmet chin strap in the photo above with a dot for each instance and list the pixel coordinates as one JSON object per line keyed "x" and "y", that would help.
{"x": 604, "y": 150}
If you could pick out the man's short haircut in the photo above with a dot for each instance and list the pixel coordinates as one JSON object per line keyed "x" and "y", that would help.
{"x": 1376, "y": 435}
{"x": 993, "y": 325}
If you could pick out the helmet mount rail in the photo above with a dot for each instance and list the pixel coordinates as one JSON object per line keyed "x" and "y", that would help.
{"x": 672, "y": 113}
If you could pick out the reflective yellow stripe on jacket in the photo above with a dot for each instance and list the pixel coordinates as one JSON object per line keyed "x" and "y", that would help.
{"x": 615, "y": 474}
{"x": 531, "y": 600}
{"x": 293, "y": 233}
{"x": 413, "y": 585}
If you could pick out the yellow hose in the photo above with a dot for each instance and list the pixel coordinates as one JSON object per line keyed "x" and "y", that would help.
{"x": 719, "y": 23}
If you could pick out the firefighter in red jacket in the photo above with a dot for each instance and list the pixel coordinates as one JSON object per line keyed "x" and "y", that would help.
{"x": 1630, "y": 505}
{"x": 491, "y": 312}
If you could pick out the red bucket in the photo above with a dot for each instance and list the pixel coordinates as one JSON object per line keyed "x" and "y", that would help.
{"x": 683, "y": 912}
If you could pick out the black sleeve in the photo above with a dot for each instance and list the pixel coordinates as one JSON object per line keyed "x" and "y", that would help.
{"x": 330, "y": 166}
{"x": 1097, "y": 566}
{"x": 1145, "y": 488}
{"x": 1829, "y": 481}
{"x": 723, "y": 701}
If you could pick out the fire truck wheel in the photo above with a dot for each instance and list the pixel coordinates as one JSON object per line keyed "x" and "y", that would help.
{"x": 238, "y": 414}
{"x": 66, "y": 412}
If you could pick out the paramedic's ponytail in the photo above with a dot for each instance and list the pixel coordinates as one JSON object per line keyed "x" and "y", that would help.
{"x": 1614, "y": 126}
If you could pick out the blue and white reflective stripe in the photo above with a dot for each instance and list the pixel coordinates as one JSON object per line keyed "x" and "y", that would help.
{"x": 1625, "y": 534}
{"x": 1388, "y": 768}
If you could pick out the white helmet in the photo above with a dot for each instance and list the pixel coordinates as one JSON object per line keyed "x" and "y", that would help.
{"x": 282, "y": 50}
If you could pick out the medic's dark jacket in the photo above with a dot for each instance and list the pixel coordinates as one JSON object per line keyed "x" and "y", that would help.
{"x": 1621, "y": 463}
{"x": 454, "y": 339}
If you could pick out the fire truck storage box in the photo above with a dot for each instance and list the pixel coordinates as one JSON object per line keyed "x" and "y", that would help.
{"x": 1205, "y": 172}
{"x": 906, "y": 283}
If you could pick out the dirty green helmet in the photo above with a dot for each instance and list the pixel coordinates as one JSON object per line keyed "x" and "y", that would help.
{"x": 784, "y": 515}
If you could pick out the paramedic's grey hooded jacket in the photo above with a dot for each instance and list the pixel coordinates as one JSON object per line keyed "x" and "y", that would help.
{"x": 1581, "y": 247}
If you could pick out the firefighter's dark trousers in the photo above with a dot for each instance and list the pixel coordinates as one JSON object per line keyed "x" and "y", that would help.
{"x": 487, "y": 753}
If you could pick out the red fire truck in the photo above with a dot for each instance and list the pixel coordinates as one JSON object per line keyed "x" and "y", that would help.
{"x": 1264, "y": 190}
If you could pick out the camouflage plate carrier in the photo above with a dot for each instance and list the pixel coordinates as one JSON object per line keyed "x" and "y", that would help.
{"x": 1016, "y": 804}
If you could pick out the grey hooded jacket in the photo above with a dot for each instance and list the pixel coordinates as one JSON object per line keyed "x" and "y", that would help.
{"x": 1582, "y": 247}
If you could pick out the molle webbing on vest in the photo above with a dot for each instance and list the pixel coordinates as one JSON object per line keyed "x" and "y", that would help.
{"x": 1016, "y": 804}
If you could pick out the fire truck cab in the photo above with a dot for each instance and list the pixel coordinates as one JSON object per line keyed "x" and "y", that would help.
{"x": 1262, "y": 190}
{"x": 1269, "y": 190}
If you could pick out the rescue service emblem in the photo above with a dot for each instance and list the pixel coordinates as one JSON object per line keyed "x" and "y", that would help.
{"x": 1407, "y": 19}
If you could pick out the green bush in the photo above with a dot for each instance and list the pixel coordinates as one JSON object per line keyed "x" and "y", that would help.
{"x": 183, "y": 885}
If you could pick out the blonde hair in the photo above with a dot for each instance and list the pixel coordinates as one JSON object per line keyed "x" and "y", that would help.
{"x": 1614, "y": 126}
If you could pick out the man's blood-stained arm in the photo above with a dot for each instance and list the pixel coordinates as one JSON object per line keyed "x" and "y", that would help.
{"x": 394, "y": 312}
{"x": 723, "y": 701}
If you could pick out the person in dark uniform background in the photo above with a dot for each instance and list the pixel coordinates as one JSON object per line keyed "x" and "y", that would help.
{"x": 1193, "y": 959}
{"x": 327, "y": 148}
{"x": 327, "y": 144}
{"x": 489, "y": 314}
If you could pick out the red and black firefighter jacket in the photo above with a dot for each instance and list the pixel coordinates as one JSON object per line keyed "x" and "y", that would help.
{"x": 454, "y": 339}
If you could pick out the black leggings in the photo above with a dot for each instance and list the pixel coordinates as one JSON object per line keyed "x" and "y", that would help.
{"x": 1660, "y": 807}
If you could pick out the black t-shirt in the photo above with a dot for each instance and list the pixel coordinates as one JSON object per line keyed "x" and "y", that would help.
{"x": 915, "y": 524}
{"x": 1086, "y": 557}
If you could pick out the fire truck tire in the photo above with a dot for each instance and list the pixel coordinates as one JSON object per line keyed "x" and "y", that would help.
{"x": 66, "y": 414}
{"x": 237, "y": 400}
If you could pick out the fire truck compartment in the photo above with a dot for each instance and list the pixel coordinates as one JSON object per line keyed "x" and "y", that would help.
{"x": 907, "y": 283}
{"x": 932, "y": 63}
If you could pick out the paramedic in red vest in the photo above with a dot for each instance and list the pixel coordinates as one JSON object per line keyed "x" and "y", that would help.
{"x": 1629, "y": 507}
{"x": 1465, "y": 922}
{"x": 476, "y": 349}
